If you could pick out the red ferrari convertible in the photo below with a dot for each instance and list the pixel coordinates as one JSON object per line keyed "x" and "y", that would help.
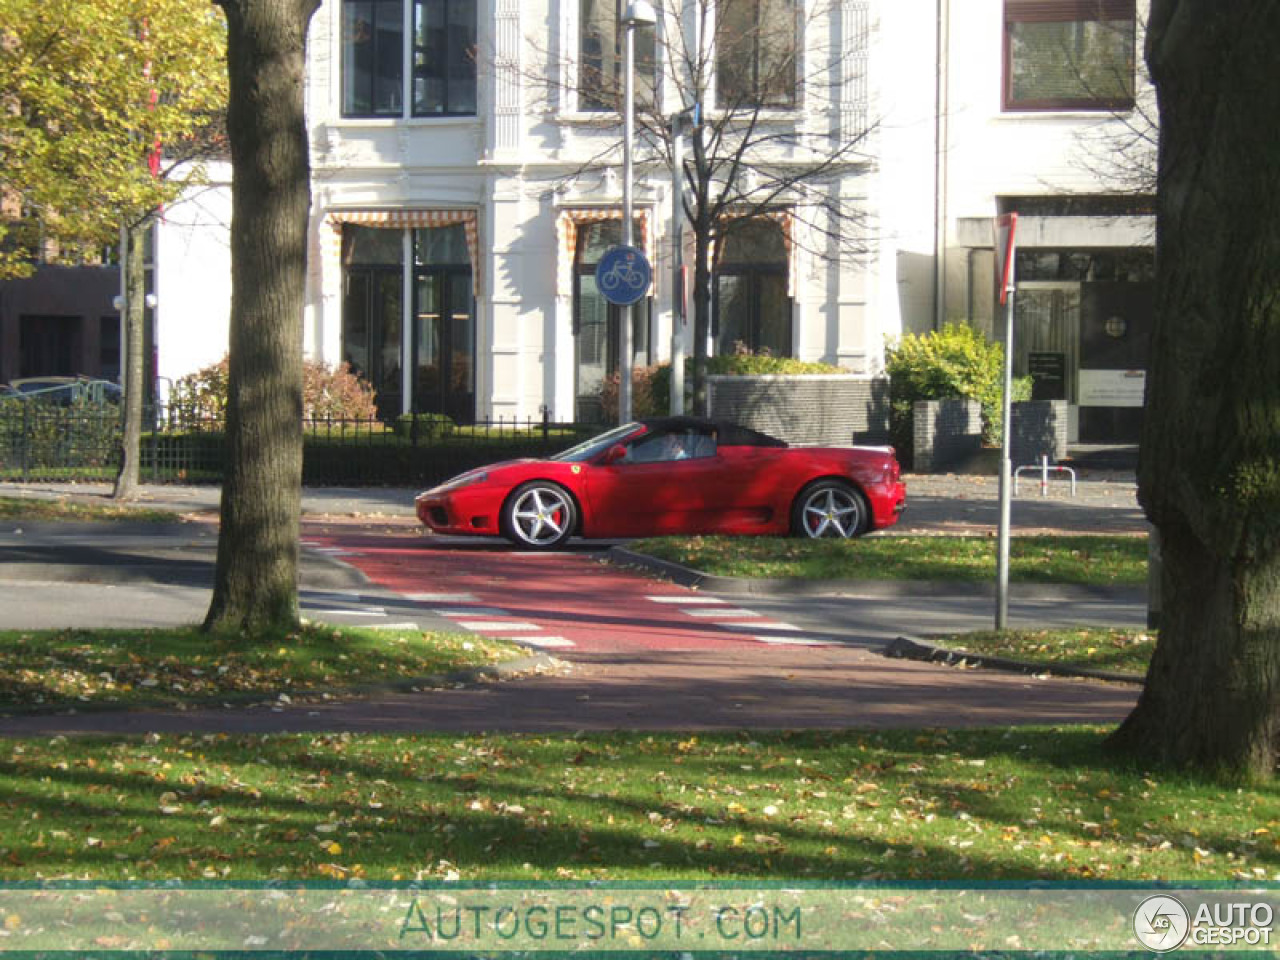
{"x": 676, "y": 475}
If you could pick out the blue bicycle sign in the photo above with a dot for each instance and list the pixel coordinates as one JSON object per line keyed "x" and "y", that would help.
{"x": 623, "y": 275}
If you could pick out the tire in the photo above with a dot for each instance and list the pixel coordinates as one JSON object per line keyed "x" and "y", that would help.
{"x": 539, "y": 515}
{"x": 830, "y": 509}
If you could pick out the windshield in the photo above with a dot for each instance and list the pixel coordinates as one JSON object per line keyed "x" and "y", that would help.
{"x": 589, "y": 449}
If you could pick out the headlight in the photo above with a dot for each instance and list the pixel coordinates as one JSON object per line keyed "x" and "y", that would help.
{"x": 457, "y": 483}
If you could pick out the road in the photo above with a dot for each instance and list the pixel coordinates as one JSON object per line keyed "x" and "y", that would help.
{"x": 636, "y": 652}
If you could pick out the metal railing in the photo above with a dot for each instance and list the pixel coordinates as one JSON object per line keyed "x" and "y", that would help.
{"x": 41, "y": 442}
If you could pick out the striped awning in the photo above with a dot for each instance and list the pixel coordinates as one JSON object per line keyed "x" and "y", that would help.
{"x": 571, "y": 219}
{"x": 405, "y": 219}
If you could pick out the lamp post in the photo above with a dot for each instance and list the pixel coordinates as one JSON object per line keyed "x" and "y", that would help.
{"x": 638, "y": 12}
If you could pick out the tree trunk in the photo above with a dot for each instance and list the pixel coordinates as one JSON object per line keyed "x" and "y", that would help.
{"x": 255, "y": 585}
{"x": 1209, "y": 476}
{"x": 135, "y": 361}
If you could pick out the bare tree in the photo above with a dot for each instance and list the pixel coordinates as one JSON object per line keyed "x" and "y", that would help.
{"x": 1119, "y": 151}
{"x": 777, "y": 93}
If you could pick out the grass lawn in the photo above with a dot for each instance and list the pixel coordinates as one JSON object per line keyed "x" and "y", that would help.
{"x": 902, "y": 805}
{"x": 1102, "y": 560}
{"x": 39, "y": 669}
{"x": 1099, "y": 648}
{"x": 36, "y": 510}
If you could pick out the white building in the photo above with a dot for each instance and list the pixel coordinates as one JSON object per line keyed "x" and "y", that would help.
{"x": 460, "y": 200}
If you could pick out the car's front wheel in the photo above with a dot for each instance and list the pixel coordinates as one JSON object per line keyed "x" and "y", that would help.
{"x": 539, "y": 515}
{"x": 829, "y": 508}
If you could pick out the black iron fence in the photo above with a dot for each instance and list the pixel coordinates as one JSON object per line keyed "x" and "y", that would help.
{"x": 40, "y": 442}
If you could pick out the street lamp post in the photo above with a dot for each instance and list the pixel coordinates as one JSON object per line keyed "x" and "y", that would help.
{"x": 638, "y": 12}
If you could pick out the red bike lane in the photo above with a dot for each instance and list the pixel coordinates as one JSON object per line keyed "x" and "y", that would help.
{"x": 558, "y": 601}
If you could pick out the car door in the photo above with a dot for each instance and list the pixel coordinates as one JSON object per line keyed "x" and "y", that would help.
{"x": 666, "y": 484}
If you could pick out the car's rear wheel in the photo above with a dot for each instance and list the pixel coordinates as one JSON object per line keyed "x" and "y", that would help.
{"x": 539, "y": 515}
{"x": 830, "y": 508}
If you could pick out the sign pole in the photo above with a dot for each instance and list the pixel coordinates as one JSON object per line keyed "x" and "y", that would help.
{"x": 1006, "y": 227}
{"x": 625, "y": 349}
{"x": 677, "y": 269}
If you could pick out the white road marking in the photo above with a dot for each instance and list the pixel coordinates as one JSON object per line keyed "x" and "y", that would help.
{"x": 683, "y": 599}
{"x": 486, "y": 626}
{"x": 453, "y": 613}
{"x": 441, "y": 597}
{"x": 721, "y": 612}
{"x": 395, "y": 626}
{"x": 368, "y": 612}
{"x": 755, "y": 625}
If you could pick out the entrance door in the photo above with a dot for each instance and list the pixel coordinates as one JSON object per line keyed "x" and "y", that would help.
{"x": 371, "y": 325}
{"x": 444, "y": 345}
{"x": 1046, "y": 342}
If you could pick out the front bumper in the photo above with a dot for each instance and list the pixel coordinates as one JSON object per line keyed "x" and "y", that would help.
{"x": 458, "y": 513}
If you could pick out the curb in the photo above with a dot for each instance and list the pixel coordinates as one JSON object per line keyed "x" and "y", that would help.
{"x": 786, "y": 586}
{"x": 496, "y": 672}
{"x": 905, "y": 648}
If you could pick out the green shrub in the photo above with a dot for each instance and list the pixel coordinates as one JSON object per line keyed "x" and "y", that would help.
{"x": 426, "y": 425}
{"x": 42, "y": 435}
{"x": 328, "y": 393}
{"x": 956, "y": 361}
{"x": 744, "y": 363}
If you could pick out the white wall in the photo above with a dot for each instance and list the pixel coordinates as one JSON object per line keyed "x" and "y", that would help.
{"x": 193, "y": 277}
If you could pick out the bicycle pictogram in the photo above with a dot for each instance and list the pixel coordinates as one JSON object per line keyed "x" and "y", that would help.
{"x": 623, "y": 275}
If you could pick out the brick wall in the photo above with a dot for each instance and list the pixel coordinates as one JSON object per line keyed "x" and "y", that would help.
{"x": 805, "y": 409}
{"x": 1039, "y": 428}
{"x": 946, "y": 434}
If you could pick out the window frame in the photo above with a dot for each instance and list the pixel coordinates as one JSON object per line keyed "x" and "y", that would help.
{"x": 1065, "y": 11}
{"x": 596, "y": 98}
{"x": 345, "y": 66}
{"x": 415, "y": 50}
{"x": 754, "y": 100}
{"x": 408, "y": 53}
{"x": 752, "y": 272}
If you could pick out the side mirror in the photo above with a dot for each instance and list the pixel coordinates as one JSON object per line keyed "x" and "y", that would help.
{"x": 614, "y": 454}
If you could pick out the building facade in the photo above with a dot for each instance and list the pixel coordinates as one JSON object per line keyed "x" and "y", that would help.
{"x": 467, "y": 179}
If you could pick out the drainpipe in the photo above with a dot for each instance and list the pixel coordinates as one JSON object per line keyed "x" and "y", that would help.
{"x": 942, "y": 39}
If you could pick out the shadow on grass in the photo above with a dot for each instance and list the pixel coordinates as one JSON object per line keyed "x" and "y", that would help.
{"x": 923, "y": 805}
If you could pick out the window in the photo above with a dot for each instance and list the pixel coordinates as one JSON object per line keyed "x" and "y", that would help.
{"x": 668, "y": 446}
{"x": 444, "y": 69}
{"x": 443, "y": 75}
{"x": 1068, "y": 54}
{"x": 752, "y": 307}
{"x": 601, "y": 43}
{"x": 372, "y": 312}
{"x": 372, "y": 57}
{"x": 444, "y": 325}
{"x": 755, "y": 54}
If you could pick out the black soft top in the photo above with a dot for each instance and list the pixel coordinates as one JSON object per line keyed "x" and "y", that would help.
{"x": 727, "y": 434}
